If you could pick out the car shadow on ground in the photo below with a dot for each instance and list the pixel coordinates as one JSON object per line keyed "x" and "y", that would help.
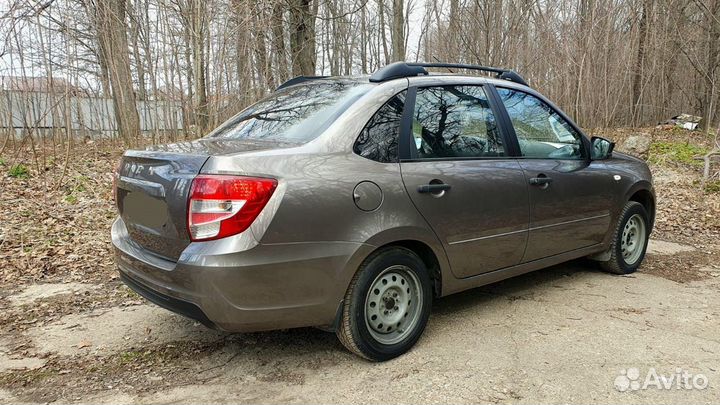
{"x": 297, "y": 343}
{"x": 512, "y": 288}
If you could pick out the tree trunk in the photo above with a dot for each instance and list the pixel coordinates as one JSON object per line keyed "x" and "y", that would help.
{"x": 199, "y": 29}
{"x": 242, "y": 51}
{"x": 638, "y": 74}
{"x": 302, "y": 37}
{"x": 453, "y": 32}
{"x": 381, "y": 28}
{"x": 278, "y": 32}
{"x": 398, "y": 31}
{"x": 134, "y": 29}
{"x": 264, "y": 62}
{"x": 111, "y": 30}
{"x": 713, "y": 62}
{"x": 363, "y": 40}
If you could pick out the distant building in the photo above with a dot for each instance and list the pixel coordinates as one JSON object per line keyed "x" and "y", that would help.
{"x": 46, "y": 105}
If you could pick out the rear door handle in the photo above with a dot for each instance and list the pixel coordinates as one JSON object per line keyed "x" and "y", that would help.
{"x": 540, "y": 181}
{"x": 433, "y": 188}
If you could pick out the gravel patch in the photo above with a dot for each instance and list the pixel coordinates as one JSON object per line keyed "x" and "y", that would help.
{"x": 661, "y": 247}
{"x": 35, "y": 292}
{"x": 117, "y": 329}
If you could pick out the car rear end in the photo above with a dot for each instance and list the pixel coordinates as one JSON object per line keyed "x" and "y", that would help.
{"x": 189, "y": 236}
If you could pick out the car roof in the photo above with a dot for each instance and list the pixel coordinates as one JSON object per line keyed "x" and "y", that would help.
{"x": 412, "y": 71}
{"x": 432, "y": 77}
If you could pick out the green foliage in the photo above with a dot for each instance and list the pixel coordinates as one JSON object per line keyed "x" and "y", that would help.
{"x": 131, "y": 294}
{"x": 80, "y": 186}
{"x": 81, "y": 182}
{"x": 132, "y": 356}
{"x": 25, "y": 377}
{"x": 2, "y": 162}
{"x": 677, "y": 152}
{"x": 19, "y": 171}
{"x": 679, "y": 131}
{"x": 713, "y": 186}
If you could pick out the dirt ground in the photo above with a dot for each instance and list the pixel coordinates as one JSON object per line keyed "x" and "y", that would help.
{"x": 558, "y": 335}
{"x": 70, "y": 332}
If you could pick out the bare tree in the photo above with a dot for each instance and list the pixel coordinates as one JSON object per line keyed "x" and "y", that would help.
{"x": 302, "y": 36}
{"x": 109, "y": 18}
{"x": 398, "y": 30}
{"x": 191, "y": 63}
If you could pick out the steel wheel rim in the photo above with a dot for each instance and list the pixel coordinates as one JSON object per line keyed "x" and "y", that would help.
{"x": 393, "y": 304}
{"x": 632, "y": 241}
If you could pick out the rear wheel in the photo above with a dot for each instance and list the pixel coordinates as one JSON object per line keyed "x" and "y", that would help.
{"x": 387, "y": 305}
{"x": 630, "y": 240}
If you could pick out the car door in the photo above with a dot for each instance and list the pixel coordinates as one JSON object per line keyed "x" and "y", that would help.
{"x": 459, "y": 176}
{"x": 570, "y": 195}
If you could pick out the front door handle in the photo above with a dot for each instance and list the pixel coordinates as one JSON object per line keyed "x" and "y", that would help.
{"x": 433, "y": 188}
{"x": 541, "y": 180}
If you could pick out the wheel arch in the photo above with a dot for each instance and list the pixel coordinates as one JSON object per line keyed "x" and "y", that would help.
{"x": 420, "y": 241}
{"x": 642, "y": 192}
{"x": 427, "y": 255}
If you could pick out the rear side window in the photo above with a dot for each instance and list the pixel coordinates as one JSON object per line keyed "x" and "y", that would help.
{"x": 541, "y": 132}
{"x": 297, "y": 114}
{"x": 455, "y": 122}
{"x": 378, "y": 141}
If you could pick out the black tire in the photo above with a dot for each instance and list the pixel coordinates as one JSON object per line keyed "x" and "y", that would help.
{"x": 354, "y": 330}
{"x": 617, "y": 263}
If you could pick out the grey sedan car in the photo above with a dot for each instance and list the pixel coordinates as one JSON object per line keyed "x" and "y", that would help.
{"x": 350, "y": 203}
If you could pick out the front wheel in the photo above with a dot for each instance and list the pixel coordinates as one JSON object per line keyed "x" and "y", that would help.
{"x": 387, "y": 305}
{"x": 630, "y": 240}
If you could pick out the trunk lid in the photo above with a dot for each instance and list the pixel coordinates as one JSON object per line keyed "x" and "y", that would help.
{"x": 154, "y": 185}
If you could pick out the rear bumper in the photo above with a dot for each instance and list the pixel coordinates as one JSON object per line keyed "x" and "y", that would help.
{"x": 178, "y": 306}
{"x": 263, "y": 287}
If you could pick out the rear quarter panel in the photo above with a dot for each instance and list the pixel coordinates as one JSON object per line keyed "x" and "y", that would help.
{"x": 314, "y": 202}
{"x": 318, "y": 178}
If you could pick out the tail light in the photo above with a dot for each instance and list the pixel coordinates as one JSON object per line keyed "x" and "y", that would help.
{"x": 221, "y": 205}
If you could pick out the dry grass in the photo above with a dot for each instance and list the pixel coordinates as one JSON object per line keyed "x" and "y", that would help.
{"x": 51, "y": 232}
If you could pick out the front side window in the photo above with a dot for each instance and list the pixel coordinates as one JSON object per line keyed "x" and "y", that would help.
{"x": 455, "y": 122}
{"x": 378, "y": 141}
{"x": 540, "y": 130}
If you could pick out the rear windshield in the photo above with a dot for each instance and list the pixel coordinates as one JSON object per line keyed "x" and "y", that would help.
{"x": 296, "y": 114}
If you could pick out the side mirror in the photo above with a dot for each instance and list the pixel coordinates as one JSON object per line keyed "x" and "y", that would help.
{"x": 601, "y": 148}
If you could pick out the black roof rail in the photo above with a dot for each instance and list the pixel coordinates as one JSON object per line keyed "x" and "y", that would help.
{"x": 397, "y": 70}
{"x": 405, "y": 69}
{"x": 298, "y": 80}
